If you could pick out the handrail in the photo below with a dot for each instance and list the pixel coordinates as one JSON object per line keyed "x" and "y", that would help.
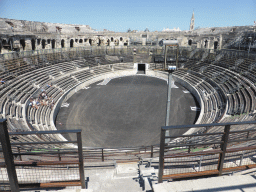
{"x": 206, "y": 125}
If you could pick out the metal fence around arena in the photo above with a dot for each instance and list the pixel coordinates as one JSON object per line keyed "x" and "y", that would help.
{"x": 26, "y": 171}
{"x": 228, "y": 148}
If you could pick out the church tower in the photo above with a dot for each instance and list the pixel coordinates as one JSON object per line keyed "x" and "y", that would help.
{"x": 192, "y": 23}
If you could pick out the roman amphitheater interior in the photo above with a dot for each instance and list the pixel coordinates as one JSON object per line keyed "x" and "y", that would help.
{"x": 46, "y": 66}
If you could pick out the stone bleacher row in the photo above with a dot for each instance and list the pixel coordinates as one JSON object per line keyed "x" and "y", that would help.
{"x": 234, "y": 78}
{"x": 24, "y": 76}
{"x": 218, "y": 84}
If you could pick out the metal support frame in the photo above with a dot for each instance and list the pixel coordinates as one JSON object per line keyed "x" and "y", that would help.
{"x": 224, "y": 143}
{"x": 8, "y": 157}
{"x": 168, "y": 104}
{"x": 161, "y": 156}
{"x": 81, "y": 159}
{"x": 223, "y": 148}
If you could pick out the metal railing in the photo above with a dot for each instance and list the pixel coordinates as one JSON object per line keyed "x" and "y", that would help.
{"x": 29, "y": 172}
{"x": 206, "y": 152}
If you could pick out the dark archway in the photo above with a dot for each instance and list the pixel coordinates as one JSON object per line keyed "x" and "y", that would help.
{"x": 99, "y": 42}
{"x": 62, "y": 43}
{"x": 112, "y": 39}
{"x": 215, "y": 44}
{"x": 108, "y": 42}
{"x": 190, "y": 42}
{"x": 71, "y": 43}
{"x": 205, "y": 44}
{"x": 48, "y": 41}
{"x": 43, "y": 43}
{"x": 116, "y": 42}
{"x": 33, "y": 44}
{"x": 90, "y": 41}
{"x": 81, "y": 41}
{"x": 76, "y": 40}
{"x": 23, "y": 44}
{"x": 38, "y": 41}
{"x": 121, "y": 38}
{"x": 53, "y": 43}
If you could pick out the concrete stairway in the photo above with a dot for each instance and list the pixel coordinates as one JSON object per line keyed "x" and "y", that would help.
{"x": 125, "y": 177}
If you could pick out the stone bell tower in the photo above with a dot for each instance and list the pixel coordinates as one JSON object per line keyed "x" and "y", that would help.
{"x": 192, "y": 23}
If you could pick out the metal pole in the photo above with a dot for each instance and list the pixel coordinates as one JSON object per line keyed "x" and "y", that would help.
{"x": 19, "y": 152}
{"x": 165, "y": 56}
{"x": 81, "y": 159}
{"x": 177, "y": 57}
{"x": 8, "y": 157}
{"x": 161, "y": 156}
{"x": 102, "y": 154}
{"x": 168, "y": 105}
{"x": 152, "y": 152}
{"x": 223, "y": 148}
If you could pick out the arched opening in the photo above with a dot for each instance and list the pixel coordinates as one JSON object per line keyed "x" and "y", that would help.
{"x": 108, "y": 42}
{"x": 48, "y": 41}
{"x": 205, "y": 44}
{"x": 10, "y": 44}
{"x": 23, "y": 44}
{"x": 62, "y": 43}
{"x": 85, "y": 40}
{"x": 99, "y": 42}
{"x": 90, "y": 41}
{"x": 215, "y": 44}
{"x": 43, "y": 44}
{"x": 121, "y": 38}
{"x": 81, "y": 41}
{"x": 53, "y": 43}
{"x": 38, "y": 41}
{"x": 33, "y": 44}
{"x": 190, "y": 42}
{"x": 112, "y": 39}
{"x": 76, "y": 40}
{"x": 71, "y": 43}
{"x": 116, "y": 42}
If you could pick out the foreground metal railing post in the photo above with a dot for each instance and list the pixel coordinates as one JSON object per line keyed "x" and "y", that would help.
{"x": 8, "y": 157}
{"x": 102, "y": 154}
{"x": 151, "y": 151}
{"x": 81, "y": 159}
{"x": 161, "y": 156}
{"x": 223, "y": 148}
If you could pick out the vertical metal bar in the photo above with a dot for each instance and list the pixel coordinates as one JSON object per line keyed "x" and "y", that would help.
{"x": 8, "y": 157}
{"x": 200, "y": 163}
{"x": 161, "y": 156}
{"x": 248, "y": 134}
{"x": 223, "y": 148}
{"x": 165, "y": 56}
{"x": 19, "y": 152}
{"x": 177, "y": 58}
{"x": 102, "y": 154}
{"x": 81, "y": 159}
{"x": 59, "y": 155}
{"x": 241, "y": 159}
{"x": 152, "y": 151}
{"x": 168, "y": 104}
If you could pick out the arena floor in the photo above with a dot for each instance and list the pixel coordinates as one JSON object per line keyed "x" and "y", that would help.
{"x": 125, "y": 112}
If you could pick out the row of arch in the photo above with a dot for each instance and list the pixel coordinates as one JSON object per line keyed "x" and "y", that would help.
{"x": 71, "y": 42}
{"x": 205, "y": 43}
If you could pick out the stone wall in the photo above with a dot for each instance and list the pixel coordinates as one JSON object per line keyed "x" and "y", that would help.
{"x": 16, "y": 35}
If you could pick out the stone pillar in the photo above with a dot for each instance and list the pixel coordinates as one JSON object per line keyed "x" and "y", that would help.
{"x": 220, "y": 43}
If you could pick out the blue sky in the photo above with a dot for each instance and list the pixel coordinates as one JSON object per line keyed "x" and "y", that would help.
{"x": 118, "y": 15}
